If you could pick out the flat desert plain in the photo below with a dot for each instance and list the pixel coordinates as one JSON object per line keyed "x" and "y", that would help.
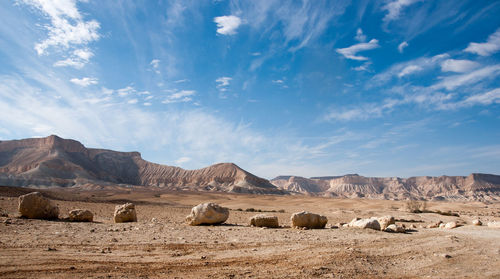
{"x": 161, "y": 245}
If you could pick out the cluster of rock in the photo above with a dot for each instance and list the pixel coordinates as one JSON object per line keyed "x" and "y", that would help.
{"x": 35, "y": 206}
{"x": 384, "y": 223}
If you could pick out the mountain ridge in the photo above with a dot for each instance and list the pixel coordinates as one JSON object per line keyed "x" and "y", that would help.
{"x": 476, "y": 186}
{"x": 55, "y": 161}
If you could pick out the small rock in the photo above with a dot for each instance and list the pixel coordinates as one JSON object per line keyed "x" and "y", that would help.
{"x": 81, "y": 215}
{"x": 442, "y": 225}
{"x": 51, "y": 249}
{"x": 450, "y": 225}
{"x": 263, "y": 220}
{"x": 477, "y": 222}
{"x": 434, "y": 225}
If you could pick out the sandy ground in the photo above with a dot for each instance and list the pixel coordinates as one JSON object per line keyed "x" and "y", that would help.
{"x": 167, "y": 248}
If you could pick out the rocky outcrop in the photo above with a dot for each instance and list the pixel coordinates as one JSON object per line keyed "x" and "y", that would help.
{"x": 308, "y": 220}
{"x": 35, "y": 206}
{"x": 262, "y": 220}
{"x": 125, "y": 213}
{"x": 207, "y": 214}
{"x": 480, "y": 187}
{"x": 81, "y": 215}
{"x": 53, "y": 161}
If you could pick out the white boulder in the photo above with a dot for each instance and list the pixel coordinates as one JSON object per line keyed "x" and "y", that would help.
{"x": 207, "y": 214}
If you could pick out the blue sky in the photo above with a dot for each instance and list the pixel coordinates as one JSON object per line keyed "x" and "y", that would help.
{"x": 379, "y": 88}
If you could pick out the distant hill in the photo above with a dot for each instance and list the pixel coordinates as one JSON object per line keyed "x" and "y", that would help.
{"x": 475, "y": 187}
{"x": 53, "y": 161}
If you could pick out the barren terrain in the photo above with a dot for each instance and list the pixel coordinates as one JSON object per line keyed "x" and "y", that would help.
{"x": 160, "y": 245}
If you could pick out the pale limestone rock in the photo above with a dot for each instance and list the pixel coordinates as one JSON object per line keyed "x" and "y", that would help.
{"x": 207, "y": 214}
{"x": 477, "y": 222}
{"x": 81, "y": 215}
{"x": 35, "y": 206}
{"x": 450, "y": 225}
{"x": 434, "y": 225}
{"x": 371, "y": 223}
{"x": 125, "y": 213}
{"x": 308, "y": 220}
{"x": 263, "y": 220}
{"x": 385, "y": 221}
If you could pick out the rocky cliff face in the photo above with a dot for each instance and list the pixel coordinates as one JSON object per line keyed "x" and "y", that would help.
{"x": 53, "y": 161}
{"x": 473, "y": 187}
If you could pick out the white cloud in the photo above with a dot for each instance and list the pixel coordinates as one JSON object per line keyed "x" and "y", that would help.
{"x": 223, "y": 82}
{"x": 395, "y": 7}
{"x": 84, "y": 54}
{"x": 410, "y": 69}
{"x": 132, "y": 101}
{"x": 458, "y": 66}
{"x": 70, "y": 62}
{"x": 78, "y": 60}
{"x": 491, "y": 46}
{"x": 180, "y": 96}
{"x": 350, "y": 52}
{"x": 182, "y": 160}
{"x": 181, "y": 81}
{"x": 84, "y": 82}
{"x": 360, "y": 37}
{"x": 455, "y": 81}
{"x": 67, "y": 26}
{"x": 155, "y": 63}
{"x": 227, "y": 25}
{"x": 402, "y": 46}
{"x": 126, "y": 91}
{"x": 487, "y": 98}
{"x": 425, "y": 63}
{"x": 363, "y": 67}
{"x": 278, "y": 81}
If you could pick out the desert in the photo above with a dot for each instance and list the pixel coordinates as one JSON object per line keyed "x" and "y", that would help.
{"x": 161, "y": 245}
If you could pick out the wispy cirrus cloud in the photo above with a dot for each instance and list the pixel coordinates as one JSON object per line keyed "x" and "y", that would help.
{"x": 491, "y": 46}
{"x": 180, "y": 97}
{"x": 84, "y": 82}
{"x": 351, "y": 52}
{"x": 395, "y": 7}
{"x": 458, "y": 66}
{"x": 223, "y": 83}
{"x": 402, "y": 46}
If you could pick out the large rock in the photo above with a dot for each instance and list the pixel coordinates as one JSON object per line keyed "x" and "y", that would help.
{"x": 385, "y": 221}
{"x": 263, "y": 220}
{"x": 371, "y": 223}
{"x": 125, "y": 213}
{"x": 207, "y": 214}
{"x": 81, "y": 215}
{"x": 35, "y": 206}
{"x": 308, "y": 220}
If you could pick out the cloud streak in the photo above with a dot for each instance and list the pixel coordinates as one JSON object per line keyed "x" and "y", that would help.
{"x": 351, "y": 52}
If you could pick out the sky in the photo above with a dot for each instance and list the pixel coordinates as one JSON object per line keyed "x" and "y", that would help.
{"x": 309, "y": 88}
